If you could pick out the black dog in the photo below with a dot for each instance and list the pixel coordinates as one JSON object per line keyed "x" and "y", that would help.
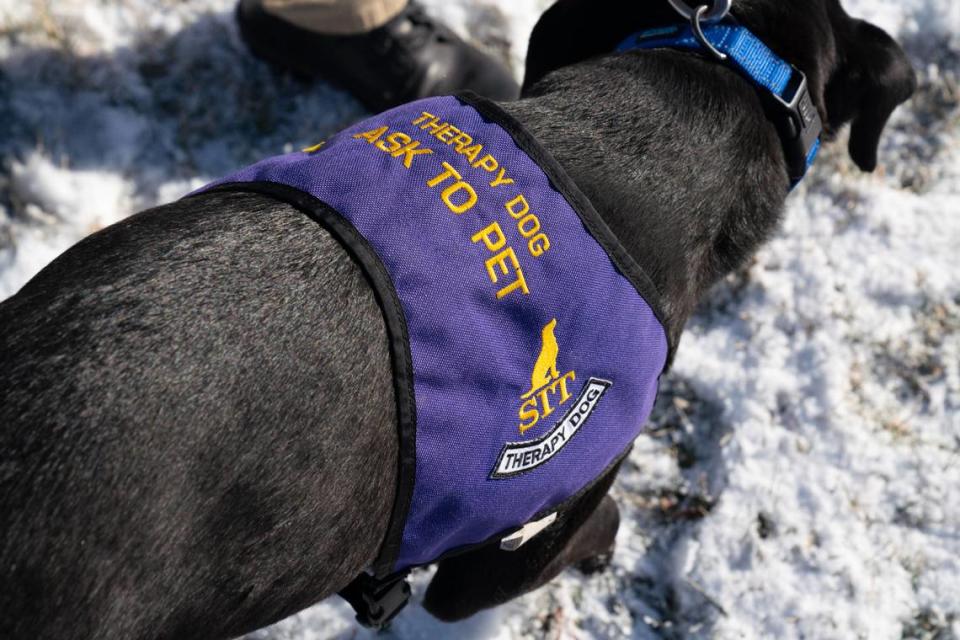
{"x": 197, "y": 431}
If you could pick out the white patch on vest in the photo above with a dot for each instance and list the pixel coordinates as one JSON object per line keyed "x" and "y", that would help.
{"x": 520, "y": 457}
{"x": 527, "y": 533}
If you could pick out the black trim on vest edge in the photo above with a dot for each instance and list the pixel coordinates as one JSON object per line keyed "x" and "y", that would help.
{"x": 368, "y": 260}
{"x": 579, "y": 202}
{"x": 398, "y": 336}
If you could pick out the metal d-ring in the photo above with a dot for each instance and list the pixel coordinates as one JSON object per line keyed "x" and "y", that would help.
{"x": 718, "y": 11}
{"x": 698, "y": 31}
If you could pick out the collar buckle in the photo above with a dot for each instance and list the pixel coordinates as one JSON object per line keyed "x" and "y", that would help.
{"x": 798, "y": 123}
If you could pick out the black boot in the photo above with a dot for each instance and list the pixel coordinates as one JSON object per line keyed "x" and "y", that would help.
{"x": 410, "y": 57}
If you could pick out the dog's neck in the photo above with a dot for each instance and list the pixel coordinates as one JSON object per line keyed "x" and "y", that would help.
{"x": 678, "y": 158}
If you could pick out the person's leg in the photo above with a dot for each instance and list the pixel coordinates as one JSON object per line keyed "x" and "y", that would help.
{"x": 385, "y": 52}
{"x": 340, "y": 17}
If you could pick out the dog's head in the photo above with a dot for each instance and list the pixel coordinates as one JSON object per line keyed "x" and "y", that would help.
{"x": 856, "y": 72}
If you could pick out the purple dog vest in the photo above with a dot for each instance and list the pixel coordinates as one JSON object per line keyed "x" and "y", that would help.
{"x": 525, "y": 343}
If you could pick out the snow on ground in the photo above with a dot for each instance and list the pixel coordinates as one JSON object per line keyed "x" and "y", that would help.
{"x": 801, "y": 478}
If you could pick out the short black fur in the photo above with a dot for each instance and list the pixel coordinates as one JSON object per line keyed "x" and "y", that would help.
{"x": 197, "y": 426}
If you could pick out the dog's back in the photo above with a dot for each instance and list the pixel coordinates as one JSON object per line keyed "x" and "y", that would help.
{"x": 269, "y": 422}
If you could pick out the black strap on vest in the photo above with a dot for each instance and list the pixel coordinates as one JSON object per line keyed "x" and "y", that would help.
{"x": 377, "y": 601}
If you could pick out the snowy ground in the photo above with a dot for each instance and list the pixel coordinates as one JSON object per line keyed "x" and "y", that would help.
{"x": 802, "y": 476}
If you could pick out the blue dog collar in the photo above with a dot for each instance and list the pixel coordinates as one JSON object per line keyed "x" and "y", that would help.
{"x": 785, "y": 94}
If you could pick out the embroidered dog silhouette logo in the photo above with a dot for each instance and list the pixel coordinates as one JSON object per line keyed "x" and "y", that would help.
{"x": 549, "y": 389}
{"x": 545, "y": 371}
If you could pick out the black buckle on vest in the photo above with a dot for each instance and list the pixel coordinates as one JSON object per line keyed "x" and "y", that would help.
{"x": 376, "y": 601}
{"x": 798, "y": 123}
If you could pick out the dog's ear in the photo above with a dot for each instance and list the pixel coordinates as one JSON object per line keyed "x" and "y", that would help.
{"x": 873, "y": 77}
{"x": 575, "y": 30}
{"x": 557, "y": 42}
